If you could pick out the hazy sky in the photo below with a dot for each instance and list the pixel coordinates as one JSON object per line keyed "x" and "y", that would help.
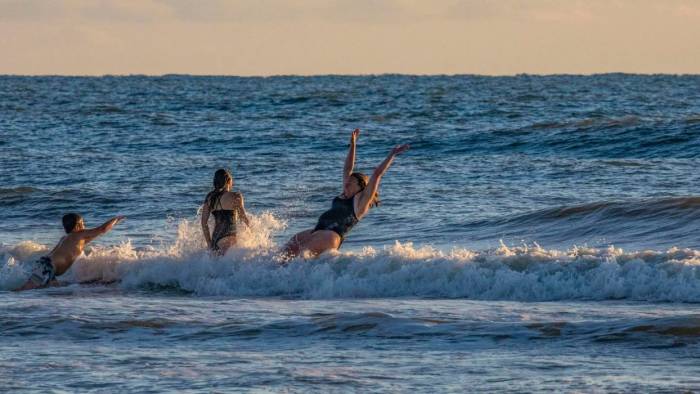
{"x": 268, "y": 37}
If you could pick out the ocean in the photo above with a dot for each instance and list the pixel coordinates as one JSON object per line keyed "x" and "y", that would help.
{"x": 542, "y": 234}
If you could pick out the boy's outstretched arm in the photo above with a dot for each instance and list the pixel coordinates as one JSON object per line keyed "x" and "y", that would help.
{"x": 92, "y": 233}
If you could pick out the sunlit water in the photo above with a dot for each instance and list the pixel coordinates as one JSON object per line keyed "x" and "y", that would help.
{"x": 542, "y": 233}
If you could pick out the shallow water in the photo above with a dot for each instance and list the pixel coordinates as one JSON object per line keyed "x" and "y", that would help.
{"x": 81, "y": 338}
{"x": 541, "y": 234}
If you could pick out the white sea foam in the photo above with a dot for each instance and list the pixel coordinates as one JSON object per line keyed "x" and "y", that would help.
{"x": 15, "y": 260}
{"x": 527, "y": 273}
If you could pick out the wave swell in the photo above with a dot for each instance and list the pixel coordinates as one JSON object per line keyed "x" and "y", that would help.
{"x": 663, "y": 222}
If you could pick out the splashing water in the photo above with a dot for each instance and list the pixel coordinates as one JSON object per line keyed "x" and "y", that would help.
{"x": 524, "y": 273}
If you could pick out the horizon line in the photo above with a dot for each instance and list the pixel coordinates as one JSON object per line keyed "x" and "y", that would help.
{"x": 524, "y": 74}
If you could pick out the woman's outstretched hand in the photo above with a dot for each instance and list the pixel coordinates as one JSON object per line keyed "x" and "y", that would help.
{"x": 354, "y": 135}
{"x": 399, "y": 149}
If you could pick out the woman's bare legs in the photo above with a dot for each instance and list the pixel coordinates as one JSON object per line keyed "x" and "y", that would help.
{"x": 225, "y": 243}
{"x": 321, "y": 241}
{"x": 293, "y": 248}
{"x": 315, "y": 242}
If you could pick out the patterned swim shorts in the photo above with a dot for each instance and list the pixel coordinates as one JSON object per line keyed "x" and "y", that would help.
{"x": 43, "y": 272}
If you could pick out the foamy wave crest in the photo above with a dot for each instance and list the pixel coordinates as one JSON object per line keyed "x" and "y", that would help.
{"x": 525, "y": 273}
{"x": 14, "y": 271}
{"x": 119, "y": 263}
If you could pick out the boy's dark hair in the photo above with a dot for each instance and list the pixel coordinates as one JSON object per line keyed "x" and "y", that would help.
{"x": 70, "y": 220}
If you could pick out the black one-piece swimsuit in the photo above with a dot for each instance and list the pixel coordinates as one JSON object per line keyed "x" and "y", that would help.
{"x": 225, "y": 224}
{"x": 340, "y": 218}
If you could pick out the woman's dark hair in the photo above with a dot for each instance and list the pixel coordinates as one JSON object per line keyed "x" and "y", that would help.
{"x": 70, "y": 220}
{"x": 362, "y": 181}
{"x": 221, "y": 178}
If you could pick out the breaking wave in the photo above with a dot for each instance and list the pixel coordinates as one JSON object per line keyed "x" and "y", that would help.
{"x": 522, "y": 273}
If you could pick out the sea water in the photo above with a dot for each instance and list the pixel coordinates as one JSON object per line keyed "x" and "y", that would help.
{"x": 543, "y": 233}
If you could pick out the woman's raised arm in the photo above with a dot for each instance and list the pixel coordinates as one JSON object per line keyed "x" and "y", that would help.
{"x": 350, "y": 159}
{"x": 368, "y": 194}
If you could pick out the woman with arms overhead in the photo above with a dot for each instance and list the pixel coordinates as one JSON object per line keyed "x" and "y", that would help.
{"x": 360, "y": 193}
{"x": 227, "y": 208}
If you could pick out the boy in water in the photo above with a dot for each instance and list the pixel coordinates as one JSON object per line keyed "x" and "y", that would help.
{"x": 60, "y": 259}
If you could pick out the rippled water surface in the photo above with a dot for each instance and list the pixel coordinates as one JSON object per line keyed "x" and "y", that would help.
{"x": 541, "y": 234}
{"x": 149, "y": 340}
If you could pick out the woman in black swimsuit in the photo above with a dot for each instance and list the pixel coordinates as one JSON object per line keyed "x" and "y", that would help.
{"x": 360, "y": 193}
{"x": 227, "y": 208}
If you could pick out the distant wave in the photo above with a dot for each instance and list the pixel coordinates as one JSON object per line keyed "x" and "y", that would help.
{"x": 591, "y": 122}
{"x": 526, "y": 273}
{"x": 17, "y": 191}
{"x": 592, "y": 136}
{"x": 102, "y": 109}
{"x": 674, "y": 221}
{"x": 673, "y": 207}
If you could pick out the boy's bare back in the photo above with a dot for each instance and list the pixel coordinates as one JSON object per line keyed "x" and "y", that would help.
{"x": 67, "y": 251}
{"x": 62, "y": 257}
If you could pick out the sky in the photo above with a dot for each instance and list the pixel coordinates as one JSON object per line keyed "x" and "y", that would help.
{"x": 309, "y": 37}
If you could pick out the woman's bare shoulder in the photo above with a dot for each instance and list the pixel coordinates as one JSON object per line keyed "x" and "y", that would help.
{"x": 232, "y": 197}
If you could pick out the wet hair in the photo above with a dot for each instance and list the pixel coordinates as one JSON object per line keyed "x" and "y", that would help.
{"x": 70, "y": 220}
{"x": 221, "y": 178}
{"x": 362, "y": 181}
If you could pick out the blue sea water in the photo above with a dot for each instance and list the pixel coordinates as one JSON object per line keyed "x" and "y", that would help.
{"x": 543, "y": 233}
